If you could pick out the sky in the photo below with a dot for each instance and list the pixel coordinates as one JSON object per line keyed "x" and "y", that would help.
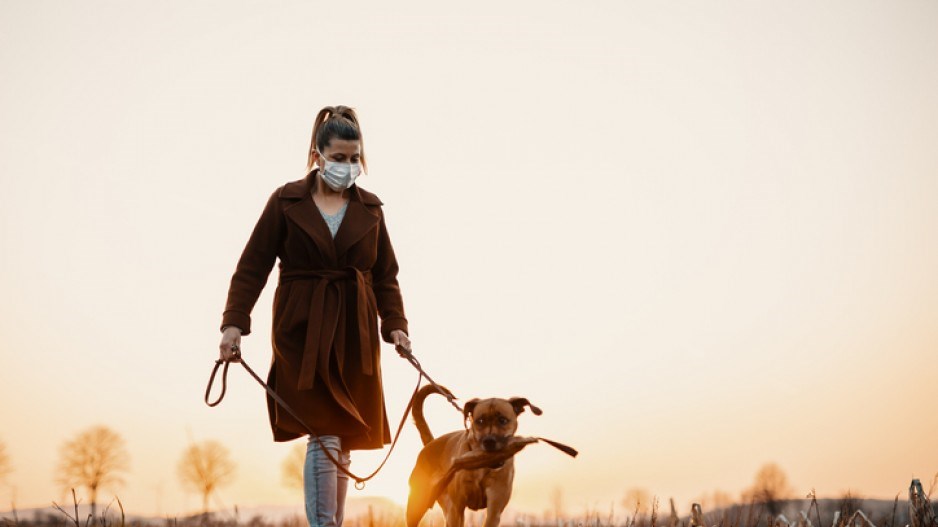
{"x": 701, "y": 236}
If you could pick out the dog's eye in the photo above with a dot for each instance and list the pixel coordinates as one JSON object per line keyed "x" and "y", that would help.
{"x": 480, "y": 421}
{"x": 502, "y": 420}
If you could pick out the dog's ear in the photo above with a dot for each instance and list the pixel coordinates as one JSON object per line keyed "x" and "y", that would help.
{"x": 469, "y": 407}
{"x": 518, "y": 403}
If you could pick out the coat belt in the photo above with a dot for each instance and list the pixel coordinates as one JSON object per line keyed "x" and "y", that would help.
{"x": 318, "y": 344}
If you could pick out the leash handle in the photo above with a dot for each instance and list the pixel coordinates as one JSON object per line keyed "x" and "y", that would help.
{"x": 211, "y": 380}
{"x": 224, "y": 376}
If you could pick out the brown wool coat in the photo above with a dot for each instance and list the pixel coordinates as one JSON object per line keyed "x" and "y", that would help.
{"x": 326, "y": 352}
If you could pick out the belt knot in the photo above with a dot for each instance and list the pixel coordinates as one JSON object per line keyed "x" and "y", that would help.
{"x": 323, "y": 323}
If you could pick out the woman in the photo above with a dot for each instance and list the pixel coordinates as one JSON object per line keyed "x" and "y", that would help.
{"x": 338, "y": 273}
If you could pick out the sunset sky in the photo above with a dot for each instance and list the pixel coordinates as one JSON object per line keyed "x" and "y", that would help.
{"x": 701, "y": 236}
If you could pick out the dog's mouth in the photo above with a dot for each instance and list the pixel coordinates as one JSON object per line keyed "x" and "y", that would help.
{"x": 493, "y": 443}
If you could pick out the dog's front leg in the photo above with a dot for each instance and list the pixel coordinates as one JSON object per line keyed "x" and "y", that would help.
{"x": 492, "y": 517}
{"x": 454, "y": 512}
{"x": 497, "y": 494}
{"x": 496, "y": 501}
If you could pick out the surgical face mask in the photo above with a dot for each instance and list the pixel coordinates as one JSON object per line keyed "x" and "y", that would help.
{"x": 339, "y": 176}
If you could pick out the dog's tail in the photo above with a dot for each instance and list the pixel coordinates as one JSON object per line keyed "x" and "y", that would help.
{"x": 425, "y": 434}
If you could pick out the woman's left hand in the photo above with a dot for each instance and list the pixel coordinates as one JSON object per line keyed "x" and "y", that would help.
{"x": 401, "y": 341}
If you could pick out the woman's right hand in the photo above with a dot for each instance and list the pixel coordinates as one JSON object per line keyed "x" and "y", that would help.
{"x": 230, "y": 348}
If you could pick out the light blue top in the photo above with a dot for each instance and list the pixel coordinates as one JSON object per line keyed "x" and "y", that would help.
{"x": 334, "y": 220}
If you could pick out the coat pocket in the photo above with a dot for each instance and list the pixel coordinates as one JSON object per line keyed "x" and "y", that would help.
{"x": 289, "y": 310}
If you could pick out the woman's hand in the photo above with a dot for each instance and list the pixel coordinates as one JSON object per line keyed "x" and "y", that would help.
{"x": 230, "y": 348}
{"x": 401, "y": 342}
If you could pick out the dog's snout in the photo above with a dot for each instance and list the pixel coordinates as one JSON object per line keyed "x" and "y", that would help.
{"x": 489, "y": 444}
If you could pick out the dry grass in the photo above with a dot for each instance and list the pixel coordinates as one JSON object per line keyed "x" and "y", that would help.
{"x": 847, "y": 511}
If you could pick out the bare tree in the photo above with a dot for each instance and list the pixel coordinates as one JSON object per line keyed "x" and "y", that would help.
{"x": 93, "y": 460}
{"x": 720, "y": 499}
{"x": 292, "y": 467}
{"x": 769, "y": 487}
{"x": 205, "y": 467}
{"x": 636, "y": 500}
{"x": 5, "y": 467}
{"x": 556, "y": 501}
{"x": 714, "y": 500}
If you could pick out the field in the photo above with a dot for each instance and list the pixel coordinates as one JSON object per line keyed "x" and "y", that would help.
{"x": 915, "y": 510}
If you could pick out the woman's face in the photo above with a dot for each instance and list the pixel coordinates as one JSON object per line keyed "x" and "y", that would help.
{"x": 342, "y": 151}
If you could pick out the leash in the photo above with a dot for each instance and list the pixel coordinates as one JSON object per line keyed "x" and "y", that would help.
{"x": 359, "y": 480}
{"x": 416, "y": 364}
{"x": 566, "y": 449}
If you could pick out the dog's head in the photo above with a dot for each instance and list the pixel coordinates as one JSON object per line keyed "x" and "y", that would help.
{"x": 494, "y": 421}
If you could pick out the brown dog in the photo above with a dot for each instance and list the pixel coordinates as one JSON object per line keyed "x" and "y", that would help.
{"x": 493, "y": 425}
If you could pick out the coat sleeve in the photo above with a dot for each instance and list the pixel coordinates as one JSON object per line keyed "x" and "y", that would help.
{"x": 254, "y": 267}
{"x": 385, "y": 285}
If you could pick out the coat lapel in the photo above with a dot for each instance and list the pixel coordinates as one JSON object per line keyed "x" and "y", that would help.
{"x": 359, "y": 219}
{"x": 306, "y": 214}
{"x": 361, "y": 215}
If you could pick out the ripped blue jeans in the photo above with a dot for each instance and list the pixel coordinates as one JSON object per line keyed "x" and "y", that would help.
{"x": 324, "y": 487}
